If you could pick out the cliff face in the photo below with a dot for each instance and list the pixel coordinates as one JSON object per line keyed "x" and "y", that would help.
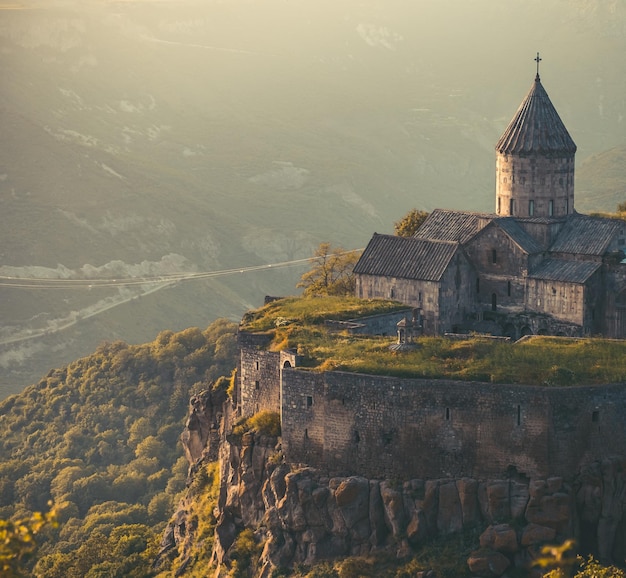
{"x": 301, "y": 516}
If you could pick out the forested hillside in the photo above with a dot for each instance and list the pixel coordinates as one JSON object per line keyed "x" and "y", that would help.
{"x": 99, "y": 438}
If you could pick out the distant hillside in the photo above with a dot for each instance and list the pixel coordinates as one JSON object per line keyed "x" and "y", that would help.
{"x": 159, "y": 138}
{"x": 601, "y": 181}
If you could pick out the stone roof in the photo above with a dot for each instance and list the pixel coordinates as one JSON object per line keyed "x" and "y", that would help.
{"x": 536, "y": 128}
{"x": 406, "y": 257}
{"x": 585, "y": 235}
{"x": 510, "y": 226}
{"x": 448, "y": 225}
{"x": 565, "y": 271}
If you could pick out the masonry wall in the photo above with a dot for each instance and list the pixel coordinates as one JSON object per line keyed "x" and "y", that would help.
{"x": 258, "y": 377}
{"x": 382, "y": 427}
{"x": 457, "y": 295}
{"x": 423, "y": 294}
{"x": 538, "y": 178}
{"x": 614, "y": 314}
{"x": 501, "y": 266}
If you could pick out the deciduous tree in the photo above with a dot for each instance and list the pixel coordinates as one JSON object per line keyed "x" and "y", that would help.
{"x": 410, "y": 223}
{"x": 331, "y": 272}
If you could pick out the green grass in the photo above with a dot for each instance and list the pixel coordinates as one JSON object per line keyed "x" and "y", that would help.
{"x": 314, "y": 311}
{"x": 553, "y": 361}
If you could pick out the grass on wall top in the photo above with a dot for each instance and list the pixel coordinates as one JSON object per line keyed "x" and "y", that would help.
{"x": 554, "y": 361}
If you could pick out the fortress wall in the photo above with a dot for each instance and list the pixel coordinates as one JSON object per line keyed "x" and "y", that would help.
{"x": 382, "y": 427}
{"x": 259, "y": 379}
{"x": 303, "y": 417}
{"x": 587, "y": 424}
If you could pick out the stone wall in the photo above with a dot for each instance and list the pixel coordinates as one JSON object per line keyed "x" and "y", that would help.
{"x": 538, "y": 179}
{"x": 415, "y": 293}
{"x": 258, "y": 375}
{"x": 444, "y": 303}
{"x": 383, "y": 427}
{"x": 614, "y": 313}
{"x": 565, "y": 301}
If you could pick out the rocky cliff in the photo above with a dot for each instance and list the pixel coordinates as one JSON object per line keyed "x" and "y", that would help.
{"x": 299, "y": 516}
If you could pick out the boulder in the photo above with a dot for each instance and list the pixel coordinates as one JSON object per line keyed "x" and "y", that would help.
{"x": 449, "y": 513}
{"x": 487, "y": 563}
{"x": 501, "y": 538}
{"x": 468, "y": 496}
{"x": 393, "y": 507}
{"x": 536, "y": 534}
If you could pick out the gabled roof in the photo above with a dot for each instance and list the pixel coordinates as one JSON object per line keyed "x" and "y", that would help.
{"x": 406, "y": 257}
{"x": 565, "y": 271}
{"x": 536, "y": 128}
{"x": 586, "y": 235}
{"x": 510, "y": 226}
{"x": 447, "y": 225}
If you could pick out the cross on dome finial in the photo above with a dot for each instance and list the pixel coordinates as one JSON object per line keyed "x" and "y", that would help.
{"x": 537, "y": 60}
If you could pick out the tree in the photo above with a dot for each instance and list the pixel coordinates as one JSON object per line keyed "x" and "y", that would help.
{"x": 410, "y": 223}
{"x": 17, "y": 540}
{"x": 331, "y": 272}
{"x": 621, "y": 208}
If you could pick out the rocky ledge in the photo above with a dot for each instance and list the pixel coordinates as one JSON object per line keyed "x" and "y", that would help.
{"x": 302, "y": 516}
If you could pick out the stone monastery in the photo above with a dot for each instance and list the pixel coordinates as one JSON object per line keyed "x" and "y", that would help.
{"x": 536, "y": 266}
{"x": 533, "y": 267}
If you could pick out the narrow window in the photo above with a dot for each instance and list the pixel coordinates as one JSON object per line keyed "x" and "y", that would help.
{"x": 392, "y": 293}
{"x": 551, "y": 208}
{"x": 508, "y": 288}
{"x": 494, "y": 256}
{"x": 498, "y": 209}
{"x": 256, "y": 365}
{"x": 357, "y": 437}
{"x": 306, "y": 434}
{"x": 494, "y": 302}
{"x": 419, "y": 298}
{"x": 595, "y": 416}
{"x": 531, "y": 208}
{"x": 447, "y": 414}
{"x": 511, "y": 207}
{"x": 519, "y": 414}
{"x": 256, "y": 384}
{"x": 309, "y": 401}
{"x": 477, "y": 285}
{"x": 567, "y": 206}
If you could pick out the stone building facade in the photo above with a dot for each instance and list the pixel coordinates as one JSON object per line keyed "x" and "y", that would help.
{"x": 535, "y": 266}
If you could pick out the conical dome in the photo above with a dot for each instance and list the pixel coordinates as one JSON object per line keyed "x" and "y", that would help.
{"x": 536, "y": 128}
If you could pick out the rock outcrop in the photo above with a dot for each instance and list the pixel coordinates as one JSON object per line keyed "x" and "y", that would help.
{"x": 302, "y": 516}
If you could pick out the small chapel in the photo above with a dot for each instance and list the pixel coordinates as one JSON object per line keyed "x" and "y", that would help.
{"x": 534, "y": 267}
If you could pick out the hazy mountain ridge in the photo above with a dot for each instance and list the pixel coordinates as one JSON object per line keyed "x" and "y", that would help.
{"x": 239, "y": 133}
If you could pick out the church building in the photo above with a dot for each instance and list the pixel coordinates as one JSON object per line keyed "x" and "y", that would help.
{"x": 535, "y": 266}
